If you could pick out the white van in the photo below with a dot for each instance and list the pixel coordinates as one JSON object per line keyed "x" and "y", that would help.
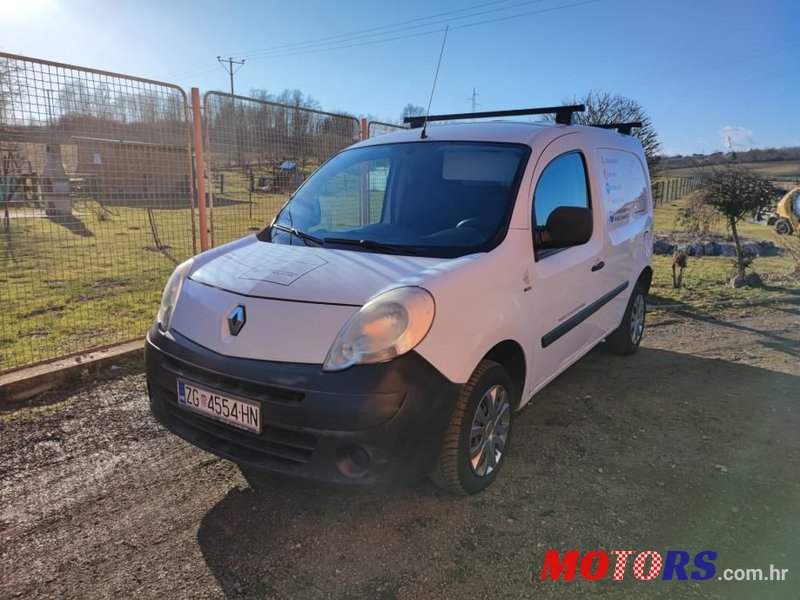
{"x": 407, "y": 300}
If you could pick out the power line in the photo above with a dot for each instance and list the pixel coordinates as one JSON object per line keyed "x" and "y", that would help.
{"x": 194, "y": 66}
{"x": 721, "y": 62}
{"x": 389, "y": 26}
{"x": 394, "y": 29}
{"x": 435, "y": 31}
{"x": 230, "y": 68}
{"x": 344, "y": 44}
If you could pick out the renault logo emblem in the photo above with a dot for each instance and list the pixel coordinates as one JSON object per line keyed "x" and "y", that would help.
{"x": 236, "y": 320}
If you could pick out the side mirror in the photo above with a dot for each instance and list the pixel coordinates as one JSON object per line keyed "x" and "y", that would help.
{"x": 569, "y": 226}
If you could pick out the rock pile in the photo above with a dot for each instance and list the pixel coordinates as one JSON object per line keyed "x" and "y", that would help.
{"x": 712, "y": 248}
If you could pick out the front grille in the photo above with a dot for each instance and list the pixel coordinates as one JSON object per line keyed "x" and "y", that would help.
{"x": 247, "y": 389}
{"x": 275, "y": 449}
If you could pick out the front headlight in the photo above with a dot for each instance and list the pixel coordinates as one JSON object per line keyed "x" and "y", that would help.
{"x": 387, "y": 326}
{"x": 171, "y": 292}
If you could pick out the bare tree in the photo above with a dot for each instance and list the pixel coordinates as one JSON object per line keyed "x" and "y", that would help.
{"x": 412, "y": 110}
{"x": 604, "y": 108}
{"x": 733, "y": 193}
{"x": 8, "y": 89}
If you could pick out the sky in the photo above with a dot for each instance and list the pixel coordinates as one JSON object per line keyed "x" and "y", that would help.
{"x": 705, "y": 71}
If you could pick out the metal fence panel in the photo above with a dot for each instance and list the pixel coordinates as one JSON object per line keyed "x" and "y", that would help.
{"x": 96, "y": 195}
{"x": 376, "y": 128}
{"x": 258, "y": 152}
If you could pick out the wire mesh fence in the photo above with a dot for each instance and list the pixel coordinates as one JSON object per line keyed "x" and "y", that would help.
{"x": 258, "y": 152}
{"x": 96, "y": 195}
{"x": 376, "y": 128}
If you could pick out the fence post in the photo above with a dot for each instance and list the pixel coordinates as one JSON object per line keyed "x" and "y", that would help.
{"x": 364, "y": 129}
{"x": 199, "y": 168}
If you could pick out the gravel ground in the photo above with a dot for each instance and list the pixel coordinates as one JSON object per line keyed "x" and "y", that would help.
{"x": 691, "y": 444}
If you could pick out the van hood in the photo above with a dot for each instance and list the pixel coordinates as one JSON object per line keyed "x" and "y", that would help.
{"x": 259, "y": 269}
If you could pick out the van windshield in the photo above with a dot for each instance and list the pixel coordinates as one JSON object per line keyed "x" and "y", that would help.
{"x": 442, "y": 199}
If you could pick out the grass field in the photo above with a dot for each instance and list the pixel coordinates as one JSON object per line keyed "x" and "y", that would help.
{"x": 72, "y": 286}
{"x": 705, "y": 277}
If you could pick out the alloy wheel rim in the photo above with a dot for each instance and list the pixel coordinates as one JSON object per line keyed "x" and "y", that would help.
{"x": 489, "y": 432}
{"x": 637, "y": 319}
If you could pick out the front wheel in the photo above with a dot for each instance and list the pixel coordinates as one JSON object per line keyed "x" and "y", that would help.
{"x": 626, "y": 338}
{"x": 783, "y": 227}
{"x": 476, "y": 441}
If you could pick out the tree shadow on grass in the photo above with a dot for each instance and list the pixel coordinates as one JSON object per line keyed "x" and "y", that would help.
{"x": 661, "y": 450}
{"x": 71, "y": 223}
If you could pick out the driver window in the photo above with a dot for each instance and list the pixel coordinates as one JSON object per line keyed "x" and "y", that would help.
{"x": 562, "y": 183}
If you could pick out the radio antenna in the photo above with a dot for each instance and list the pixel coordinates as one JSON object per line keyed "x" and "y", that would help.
{"x": 424, "y": 133}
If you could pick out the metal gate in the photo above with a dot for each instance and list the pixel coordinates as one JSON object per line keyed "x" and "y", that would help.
{"x": 96, "y": 201}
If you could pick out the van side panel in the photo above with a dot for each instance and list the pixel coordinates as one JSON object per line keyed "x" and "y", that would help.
{"x": 478, "y": 306}
{"x": 624, "y": 191}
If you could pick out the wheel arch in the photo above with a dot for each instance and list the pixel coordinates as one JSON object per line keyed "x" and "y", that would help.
{"x": 511, "y": 356}
{"x": 645, "y": 278}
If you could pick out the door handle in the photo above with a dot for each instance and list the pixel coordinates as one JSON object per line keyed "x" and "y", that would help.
{"x": 598, "y": 266}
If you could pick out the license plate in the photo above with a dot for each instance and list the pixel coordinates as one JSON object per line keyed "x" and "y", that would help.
{"x": 222, "y": 407}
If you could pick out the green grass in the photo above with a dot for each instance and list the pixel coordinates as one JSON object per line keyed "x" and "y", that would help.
{"x": 67, "y": 287}
{"x": 705, "y": 278}
{"x": 96, "y": 280}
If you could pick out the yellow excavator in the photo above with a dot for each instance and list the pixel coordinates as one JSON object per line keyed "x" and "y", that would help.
{"x": 786, "y": 218}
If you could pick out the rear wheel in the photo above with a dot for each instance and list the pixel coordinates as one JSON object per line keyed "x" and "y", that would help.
{"x": 626, "y": 338}
{"x": 476, "y": 442}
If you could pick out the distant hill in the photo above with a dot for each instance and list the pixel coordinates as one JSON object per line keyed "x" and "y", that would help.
{"x": 760, "y": 155}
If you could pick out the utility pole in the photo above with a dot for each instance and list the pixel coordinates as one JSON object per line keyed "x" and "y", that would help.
{"x": 474, "y": 99}
{"x": 229, "y": 68}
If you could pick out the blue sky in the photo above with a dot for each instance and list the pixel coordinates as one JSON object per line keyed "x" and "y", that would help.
{"x": 703, "y": 69}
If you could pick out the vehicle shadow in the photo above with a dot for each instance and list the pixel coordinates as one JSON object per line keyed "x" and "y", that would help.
{"x": 658, "y": 451}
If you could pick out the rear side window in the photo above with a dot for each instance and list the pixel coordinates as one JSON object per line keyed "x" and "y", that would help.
{"x": 623, "y": 185}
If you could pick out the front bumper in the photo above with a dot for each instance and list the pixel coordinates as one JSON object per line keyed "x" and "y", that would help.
{"x": 316, "y": 425}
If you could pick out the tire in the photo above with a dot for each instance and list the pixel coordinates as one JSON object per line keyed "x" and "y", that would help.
{"x": 625, "y": 339}
{"x": 487, "y": 404}
{"x": 783, "y": 227}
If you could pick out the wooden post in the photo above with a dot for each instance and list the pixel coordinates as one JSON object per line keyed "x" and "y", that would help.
{"x": 199, "y": 169}
{"x": 364, "y": 129}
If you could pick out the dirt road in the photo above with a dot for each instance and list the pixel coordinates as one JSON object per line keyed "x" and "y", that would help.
{"x": 692, "y": 444}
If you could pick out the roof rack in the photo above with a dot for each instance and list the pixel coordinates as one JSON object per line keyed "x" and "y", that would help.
{"x": 624, "y": 128}
{"x": 563, "y": 115}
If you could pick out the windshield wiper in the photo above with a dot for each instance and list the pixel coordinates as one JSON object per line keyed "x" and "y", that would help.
{"x": 306, "y": 237}
{"x": 370, "y": 245}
